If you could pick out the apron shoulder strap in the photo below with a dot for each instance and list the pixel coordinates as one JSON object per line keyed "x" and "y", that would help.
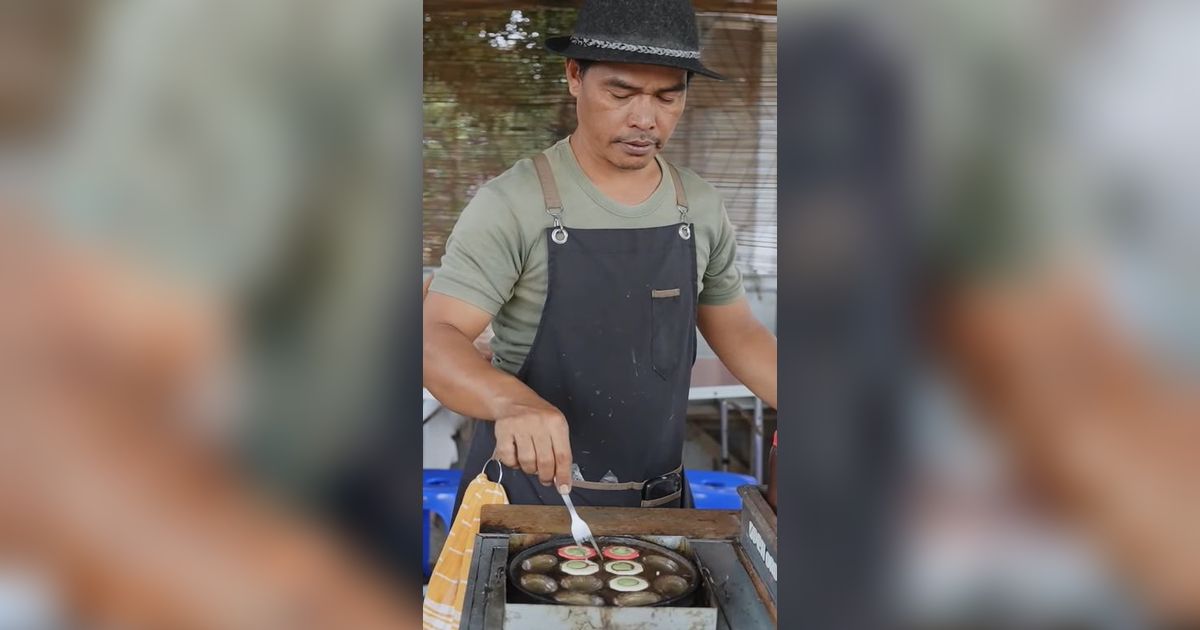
{"x": 680, "y": 195}
{"x": 549, "y": 186}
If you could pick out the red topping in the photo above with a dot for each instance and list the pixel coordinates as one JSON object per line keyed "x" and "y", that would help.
{"x": 620, "y": 552}
{"x": 576, "y": 552}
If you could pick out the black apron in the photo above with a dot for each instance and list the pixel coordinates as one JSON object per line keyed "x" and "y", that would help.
{"x": 613, "y": 351}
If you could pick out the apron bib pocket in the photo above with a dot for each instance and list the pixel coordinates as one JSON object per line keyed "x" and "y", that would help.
{"x": 668, "y": 332}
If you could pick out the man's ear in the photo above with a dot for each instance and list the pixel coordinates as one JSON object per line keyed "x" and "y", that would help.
{"x": 574, "y": 77}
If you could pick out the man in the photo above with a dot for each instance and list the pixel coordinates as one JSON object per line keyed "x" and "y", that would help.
{"x": 594, "y": 263}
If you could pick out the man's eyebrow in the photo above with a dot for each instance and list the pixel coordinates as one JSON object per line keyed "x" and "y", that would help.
{"x": 617, "y": 82}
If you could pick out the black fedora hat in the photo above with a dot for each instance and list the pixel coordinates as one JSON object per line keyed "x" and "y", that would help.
{"x": 658, "y": 32}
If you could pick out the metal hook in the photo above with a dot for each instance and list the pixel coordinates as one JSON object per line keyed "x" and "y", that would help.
{"x": 685, "y": 230}
{"x": 500, "y": 476}
{"x": 559, "y": 235}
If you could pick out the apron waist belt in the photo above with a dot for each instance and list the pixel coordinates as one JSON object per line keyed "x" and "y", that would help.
{"x": 625, "y": 485}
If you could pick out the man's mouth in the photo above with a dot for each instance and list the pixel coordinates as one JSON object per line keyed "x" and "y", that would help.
{"x": 637, "y": 147}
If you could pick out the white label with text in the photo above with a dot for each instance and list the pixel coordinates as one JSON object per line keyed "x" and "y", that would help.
{"x": 761, "y": 546}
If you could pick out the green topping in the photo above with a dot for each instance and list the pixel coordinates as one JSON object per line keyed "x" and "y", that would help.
{"x": 575, "y": 551}
{"x": 576, "y": 564}
{"x": 623, "y": 566}
{"x": 627, "y": 581}
{"x": 622, "y": 551}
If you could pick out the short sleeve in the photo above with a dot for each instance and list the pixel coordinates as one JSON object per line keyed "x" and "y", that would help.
{"x": 484, "y": 254}
{"x": 722, "y": 278}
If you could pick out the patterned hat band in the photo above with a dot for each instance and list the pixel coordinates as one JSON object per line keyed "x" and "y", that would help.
{"x": 638, "y": 48}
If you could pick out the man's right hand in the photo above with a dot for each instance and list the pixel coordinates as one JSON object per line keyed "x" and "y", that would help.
{"x": 536, "y": 440}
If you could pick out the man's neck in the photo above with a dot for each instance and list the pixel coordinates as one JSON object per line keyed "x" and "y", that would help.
{"x": 625, "y": 186}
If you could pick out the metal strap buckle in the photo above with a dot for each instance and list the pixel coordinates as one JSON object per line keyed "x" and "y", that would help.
{"x": 559, "y": 235}
{"x": 685, "y": 230}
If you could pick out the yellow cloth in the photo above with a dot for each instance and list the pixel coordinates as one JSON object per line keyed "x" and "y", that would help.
{"x": 448, "y": 584}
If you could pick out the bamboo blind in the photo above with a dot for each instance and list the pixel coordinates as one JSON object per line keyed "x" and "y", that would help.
{"x": 494, "y": 96}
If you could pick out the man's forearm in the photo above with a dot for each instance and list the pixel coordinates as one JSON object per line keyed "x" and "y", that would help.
{"x": 465, "y": 382}
{"x": 752, "y": 357}
{"x": 530, "y": 433}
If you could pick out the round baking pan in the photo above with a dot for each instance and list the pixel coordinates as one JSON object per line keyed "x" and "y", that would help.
{"x": 644, "y": 547}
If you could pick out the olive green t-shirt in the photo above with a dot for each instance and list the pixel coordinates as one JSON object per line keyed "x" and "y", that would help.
{"x": 496, "y": 255}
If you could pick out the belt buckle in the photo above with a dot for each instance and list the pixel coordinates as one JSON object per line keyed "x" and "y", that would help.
{"x": 661, "y": 486}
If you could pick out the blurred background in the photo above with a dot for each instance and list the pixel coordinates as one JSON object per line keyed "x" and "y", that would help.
{"x": 987, "y": 297}
{"x": 988, "y": 312}
{"x": 206, "y": 357}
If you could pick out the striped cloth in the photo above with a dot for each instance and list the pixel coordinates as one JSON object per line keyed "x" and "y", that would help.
{"x": 448, "y": 584}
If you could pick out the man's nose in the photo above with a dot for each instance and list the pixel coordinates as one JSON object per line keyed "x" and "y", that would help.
{"x": 642, "y": 113}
